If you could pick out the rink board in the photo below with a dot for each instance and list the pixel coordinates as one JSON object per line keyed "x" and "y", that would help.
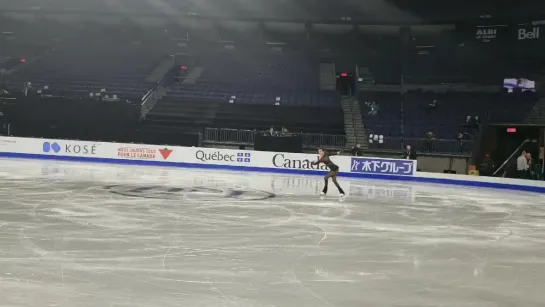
{"x": 242, "y": 160}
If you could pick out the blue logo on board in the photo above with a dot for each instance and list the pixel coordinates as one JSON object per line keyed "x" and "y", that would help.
{"x": 51, "y": 147}
{"x": 68, "y": 148}
{"x": 244, "y": 157}
{"x": 383, "y": 166}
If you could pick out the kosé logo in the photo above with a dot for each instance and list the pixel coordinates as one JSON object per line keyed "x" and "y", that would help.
{"x": 51, "y": 147}
{"x": 524, "y": 34}
{"x": 281, "y": 160}
{"x": 68, "y": 148}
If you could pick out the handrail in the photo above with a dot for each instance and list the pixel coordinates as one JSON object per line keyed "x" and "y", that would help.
{"x": 510, "y": 157}
{"x": 315, "y": 140}
{"x": 152, "y": 90}
{"x": 147, "y": 95}
{"x": 247, "y": 137}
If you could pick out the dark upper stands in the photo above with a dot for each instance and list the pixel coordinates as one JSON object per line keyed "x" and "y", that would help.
{"x": 78, "y": 70}
{"x": 241, "y": 90}
{"x": 257, "y": 78}
{"x": 256, "y": 94}
{"x": 437, "y": 64}
{"x": 444, "y": 55}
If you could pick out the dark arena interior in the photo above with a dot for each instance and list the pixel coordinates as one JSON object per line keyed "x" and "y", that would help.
{"x": 461, "y": 82}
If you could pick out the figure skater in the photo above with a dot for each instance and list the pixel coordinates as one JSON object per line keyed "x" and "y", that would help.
{"x": 333, "y": 171}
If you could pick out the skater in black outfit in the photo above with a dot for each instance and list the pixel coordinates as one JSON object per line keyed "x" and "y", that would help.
{"x": 333, "y": 171}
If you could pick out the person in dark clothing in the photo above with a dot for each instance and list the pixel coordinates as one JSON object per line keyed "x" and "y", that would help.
{"x": 333, "y": 171}
{"x": 487, "y": 166}
{"x": 409, "y": 153}
{"x": 356, "y": 150}
{"x": 531, "y": 166}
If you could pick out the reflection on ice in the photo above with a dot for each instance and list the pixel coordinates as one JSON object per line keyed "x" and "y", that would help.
{"x": 105, "y": 235}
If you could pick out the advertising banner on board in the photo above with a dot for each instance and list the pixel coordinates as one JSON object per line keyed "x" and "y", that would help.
{"x": 383, "y": 166}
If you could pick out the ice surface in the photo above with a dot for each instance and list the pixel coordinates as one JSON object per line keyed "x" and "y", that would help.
{"x": 103, "y": 235}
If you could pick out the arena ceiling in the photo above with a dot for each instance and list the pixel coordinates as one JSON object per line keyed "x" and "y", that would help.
{"x": 371, "y": 12}
{"x": 334, "y": 17}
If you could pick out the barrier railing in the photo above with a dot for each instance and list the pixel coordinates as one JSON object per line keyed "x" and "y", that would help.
{"x": 315, "y": 140}
{"x": 229, "y": 136}
{"x": 247, "y": 137}
{"x": 423, "y": 145}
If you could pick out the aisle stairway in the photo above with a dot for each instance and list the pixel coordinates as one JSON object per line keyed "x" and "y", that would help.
{"x": 328, "y": 80}
{"x": 537, "y": 115}
{"x": 161, "y": 70}
{"x": 193, "y": 75}
{"x": 151, "y": 99}
{"x": 353, "y": 123}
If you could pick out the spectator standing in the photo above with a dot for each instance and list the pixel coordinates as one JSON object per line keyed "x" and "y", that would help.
{"x": 462, "y": 136}
{"x": 487, "y": 166}
{"x": 522, "y": 166}
{"x": 409, "y": 153}
{"x": 356, "y": 150}
{"x": 373, "y": 106}
{"x": 539, "y": 170}
{"x": 531, "y": 164}
{"x": 428, "y": 143}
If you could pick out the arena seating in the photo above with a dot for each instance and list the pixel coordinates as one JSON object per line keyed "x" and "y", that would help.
{"x": 387, "y": 121}
{"x": 254, "y": 91}
{"x": 79, "y": 70}
{"x": 443, "y": 120}
{"x": 295, "y": 118}
{"x": 283, "y": 69}
{"x": 445, "y": 58}
{"x": 258, "y": 88}
{"x": 171, "y": 111}
{"x": 255, "y": 94}
{"x": 203, "y": 112}
{"x": 253, "y": 75}
{"x": 257, "y": 78}
{"x": 454, "y": 65}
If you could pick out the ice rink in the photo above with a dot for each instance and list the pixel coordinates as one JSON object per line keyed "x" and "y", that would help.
{"x": 105, "y": 235}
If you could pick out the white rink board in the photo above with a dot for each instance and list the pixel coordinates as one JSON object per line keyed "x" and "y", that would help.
{"x": 241, "y": 160}
{"x": 141, "y": 152}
